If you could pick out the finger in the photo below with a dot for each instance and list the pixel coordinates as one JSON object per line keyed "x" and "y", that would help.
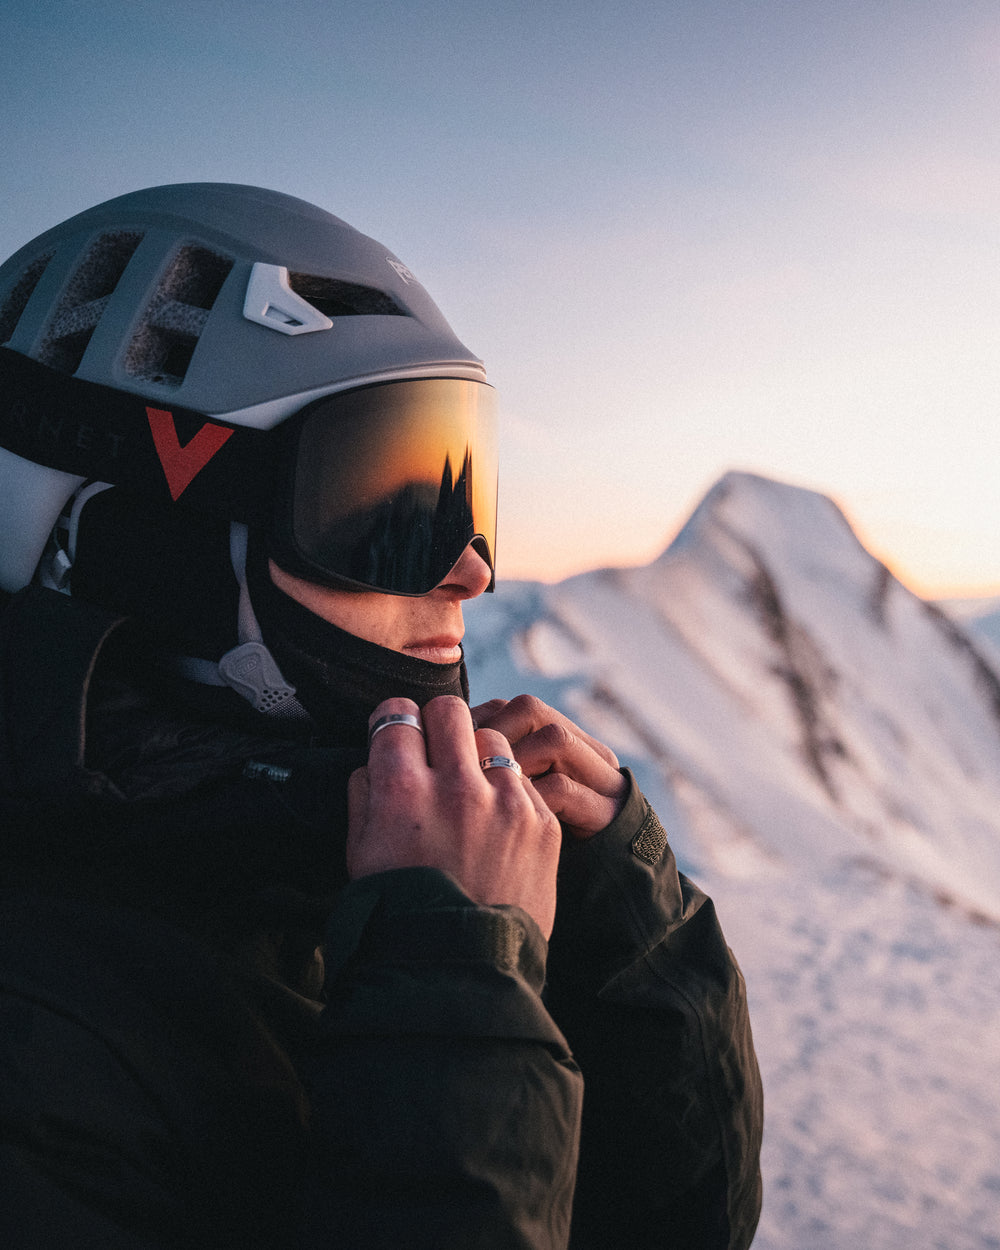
{"x": 392, "y": 715}
{"x": 357, "y": 796}
{"x": 527, "y": 714}
{"x": 482, "y": 712}
{"x": 555, "y": 749}
{"x": 490, "y": 744}
{"x": 451, "y": 745}
{"x": 357, "y": 810}
{"x": 395, "y": 746}
{"x": 581, "y": 811}
{"x": 493, "y": 745}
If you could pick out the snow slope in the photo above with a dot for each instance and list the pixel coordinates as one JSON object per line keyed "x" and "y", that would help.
{"x": 981, "y": 617}
{"x": 825, "y": 747}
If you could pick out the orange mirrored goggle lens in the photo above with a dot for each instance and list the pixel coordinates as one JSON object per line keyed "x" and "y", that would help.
{"x": 392, "y": 482}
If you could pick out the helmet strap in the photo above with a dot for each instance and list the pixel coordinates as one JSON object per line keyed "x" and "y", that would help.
{"x": 249, "y": 668}
{"x": 57, "y": 563}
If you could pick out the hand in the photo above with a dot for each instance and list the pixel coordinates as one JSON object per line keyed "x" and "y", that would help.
{"x": 423, "y": 801}
{"x": 577, "y": 776}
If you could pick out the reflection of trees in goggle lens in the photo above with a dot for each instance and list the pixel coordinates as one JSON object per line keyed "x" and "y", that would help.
{"x": 413, "y": 538}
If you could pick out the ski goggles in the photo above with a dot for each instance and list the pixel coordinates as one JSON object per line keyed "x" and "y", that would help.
{"x": 385, "y": 486}
{"x": 381, "y": 487}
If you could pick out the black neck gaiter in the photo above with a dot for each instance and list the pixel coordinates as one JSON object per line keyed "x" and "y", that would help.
{"x": 340, "y": 679}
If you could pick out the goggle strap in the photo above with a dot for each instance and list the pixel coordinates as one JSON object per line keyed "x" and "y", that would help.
{"x": 166, "y": 455}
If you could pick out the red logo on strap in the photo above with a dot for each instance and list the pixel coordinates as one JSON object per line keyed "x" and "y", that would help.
{"x": 181, "y": 465}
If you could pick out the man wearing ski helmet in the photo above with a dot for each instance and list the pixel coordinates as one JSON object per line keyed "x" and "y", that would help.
{"x": 247, "y": 480}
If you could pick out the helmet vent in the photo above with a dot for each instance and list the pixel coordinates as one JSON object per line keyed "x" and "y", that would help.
{"x": 344, "y": 299}
{"x": 162, "y": 349}
{"x": 19, "y": 294}
{"x": 85, "y": 299}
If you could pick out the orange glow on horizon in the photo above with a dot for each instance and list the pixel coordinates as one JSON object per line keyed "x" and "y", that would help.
{"x": 529, "y": 551}
{"x": 558, "y": 565}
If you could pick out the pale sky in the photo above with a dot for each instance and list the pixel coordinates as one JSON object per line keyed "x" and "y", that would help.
{"x": 685, "y": 235}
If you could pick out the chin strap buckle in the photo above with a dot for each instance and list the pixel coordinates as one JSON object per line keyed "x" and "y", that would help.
{"x": 251, "y": 671}
{"x": 249, "y": 668}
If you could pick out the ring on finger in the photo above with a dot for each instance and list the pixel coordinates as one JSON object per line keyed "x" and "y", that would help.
{"x": 394, "y": 718}
{"x": 500, "y": 761}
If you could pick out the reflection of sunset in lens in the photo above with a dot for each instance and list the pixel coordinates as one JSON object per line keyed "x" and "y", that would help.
{"x": 394, "y": 480}
{"x": 419, "y": 429}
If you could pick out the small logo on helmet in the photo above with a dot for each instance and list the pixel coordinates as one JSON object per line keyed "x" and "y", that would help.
{"x": 44, "y": 427}
{"x": 407, "y": 275}
{"x": 181, "y": 465}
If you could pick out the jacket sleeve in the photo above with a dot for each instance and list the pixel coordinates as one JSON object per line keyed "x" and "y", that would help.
{"x": 445, "y": 1102}
{"x": 653, "y": 1005}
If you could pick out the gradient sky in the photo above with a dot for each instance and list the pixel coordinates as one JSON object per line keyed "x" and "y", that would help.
{"x": 685, "y": 236}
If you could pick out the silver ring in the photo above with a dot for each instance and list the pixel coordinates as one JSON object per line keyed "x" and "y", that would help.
{"x": 501, "y": 761}
{"x": 395, "y": 718}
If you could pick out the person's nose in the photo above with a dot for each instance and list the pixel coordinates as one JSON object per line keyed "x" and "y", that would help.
{"x": 469, "y": 575}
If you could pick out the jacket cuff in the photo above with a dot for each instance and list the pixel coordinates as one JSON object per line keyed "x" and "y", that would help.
{"x": 408, "y": 952}
{"x": 619, "y": 892}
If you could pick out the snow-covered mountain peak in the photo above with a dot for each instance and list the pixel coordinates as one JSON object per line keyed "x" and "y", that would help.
{"x": 800, "y": 536}
{"x": 777, "y": 512}
{"x": 777, "y": 682}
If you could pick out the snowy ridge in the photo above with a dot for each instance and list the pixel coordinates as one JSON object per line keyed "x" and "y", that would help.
{"x": 825, "y": 747}
{"x": 783, "y": 683}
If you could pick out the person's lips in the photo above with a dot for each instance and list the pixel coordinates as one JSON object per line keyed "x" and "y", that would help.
{"x": 444, "y": 650}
